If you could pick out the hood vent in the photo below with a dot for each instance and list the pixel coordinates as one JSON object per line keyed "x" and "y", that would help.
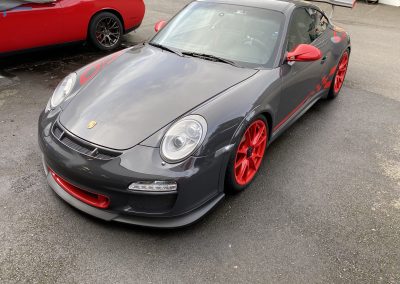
{"x": 82, "y": 146}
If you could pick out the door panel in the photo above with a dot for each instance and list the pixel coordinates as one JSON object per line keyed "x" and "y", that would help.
{"x": 324, "y": 43}
{"x": 78, "y": 14}
{"x": 300, "y": 80}
{"x": 30, "y": 25}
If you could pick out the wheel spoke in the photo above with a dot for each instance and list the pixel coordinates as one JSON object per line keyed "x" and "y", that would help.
{"x": 261, "y": 141}
{"x": 259, "y": 136}
{"x": 253, "y": 132}
{"x": 248, "y": 138}
{"x": 253, "y": 164}
{"x": 240, "y": 163}
{"x": 243, "y": 169}
{"x": 257, "y": 155}
{"x": 242, "y": 150}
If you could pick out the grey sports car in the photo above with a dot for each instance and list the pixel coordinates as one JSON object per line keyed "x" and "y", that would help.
{"x": 156, "y": 135}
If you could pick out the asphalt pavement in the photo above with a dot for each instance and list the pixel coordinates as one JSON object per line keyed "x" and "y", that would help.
{"x": 325, "y": 208}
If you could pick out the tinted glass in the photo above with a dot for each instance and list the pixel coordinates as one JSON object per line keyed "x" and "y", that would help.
{"x": 321, "y": 22}
{"x": 306, "y": 26}
{"x": 300, "y": 30}
{"x": 246, "y": 35}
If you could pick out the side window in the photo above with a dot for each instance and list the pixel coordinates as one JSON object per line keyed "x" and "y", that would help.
{"x": 302, "y": 28}
{"x": 323, "y": 23}
{"x": 307, "y": 25}
{"x": 320, "y": 23}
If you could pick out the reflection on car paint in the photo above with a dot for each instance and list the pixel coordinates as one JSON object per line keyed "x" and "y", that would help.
{"x": 16, "y": 9}
{"x": 93, "y": 69}
{"x": 338, "y": 38}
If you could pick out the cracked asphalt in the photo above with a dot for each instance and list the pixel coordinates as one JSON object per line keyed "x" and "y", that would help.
{"x": 326, "y": 207}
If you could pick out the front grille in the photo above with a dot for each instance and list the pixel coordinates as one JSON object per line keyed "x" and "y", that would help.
{"x": 81, "y": 146}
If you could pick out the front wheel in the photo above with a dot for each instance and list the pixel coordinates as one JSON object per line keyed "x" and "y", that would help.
{"x": 105, "y": 31}
{"x": 247, "y": 156}
{"x": 340, "y": 75}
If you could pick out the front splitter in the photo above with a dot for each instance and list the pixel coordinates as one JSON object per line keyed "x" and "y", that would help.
{"x": 155, "y": 222}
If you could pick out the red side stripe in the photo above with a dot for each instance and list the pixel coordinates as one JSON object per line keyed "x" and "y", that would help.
{"x": 290, "y": 114}
{"x": 325, "y": 83}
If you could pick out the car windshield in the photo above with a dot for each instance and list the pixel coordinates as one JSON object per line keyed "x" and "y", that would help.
{"x": 247, "y": 36}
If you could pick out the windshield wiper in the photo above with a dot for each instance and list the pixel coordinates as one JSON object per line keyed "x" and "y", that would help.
{"x": 163, "y": 47}
{"x": 211, "y": 57}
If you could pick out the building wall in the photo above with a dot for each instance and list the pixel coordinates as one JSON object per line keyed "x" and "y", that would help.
{"x": 390, "y": 2}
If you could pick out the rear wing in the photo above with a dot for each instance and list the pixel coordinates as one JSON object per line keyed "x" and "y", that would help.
{"x": 11, "y": 4}
{"x": 340, "y": 3}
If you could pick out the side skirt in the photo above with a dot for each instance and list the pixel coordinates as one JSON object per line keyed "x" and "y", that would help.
{"x": 297, "y": 113}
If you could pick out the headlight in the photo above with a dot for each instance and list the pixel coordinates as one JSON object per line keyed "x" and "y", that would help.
{"x": 63, "y": 90}
{"x": 183, "y": 138}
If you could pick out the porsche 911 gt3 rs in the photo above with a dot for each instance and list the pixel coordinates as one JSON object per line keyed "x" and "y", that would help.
{"x": 157, "y": 134}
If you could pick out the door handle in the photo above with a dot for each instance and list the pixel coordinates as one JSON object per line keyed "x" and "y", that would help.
{"x": 323, "y": 60}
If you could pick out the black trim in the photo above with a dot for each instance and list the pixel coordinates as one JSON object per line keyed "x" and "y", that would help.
{"x": 81, "y": 146}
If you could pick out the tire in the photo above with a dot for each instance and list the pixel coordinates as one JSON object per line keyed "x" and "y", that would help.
{"x": 245, "y": 160}
{"x": 105, "y": 31}
{"x": 340, "y": 75}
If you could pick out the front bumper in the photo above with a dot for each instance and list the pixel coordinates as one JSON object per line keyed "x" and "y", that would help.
{"x": 160, "y": 222}
{"x": 199, "y": 179}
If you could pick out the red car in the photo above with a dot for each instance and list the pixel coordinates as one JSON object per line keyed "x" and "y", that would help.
{"x": 31, "y": 24}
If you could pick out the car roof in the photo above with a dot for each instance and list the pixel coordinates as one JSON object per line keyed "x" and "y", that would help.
{"x": 278, "y": 5}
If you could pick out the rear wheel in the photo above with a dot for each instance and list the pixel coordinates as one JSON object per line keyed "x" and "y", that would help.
{"x": 340, "y": 75}
{"x": 247, "y": 156}
{"x": 105, "y": 31}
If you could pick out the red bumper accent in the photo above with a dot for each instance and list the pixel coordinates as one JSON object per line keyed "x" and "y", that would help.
{"x": 92, "y": 199}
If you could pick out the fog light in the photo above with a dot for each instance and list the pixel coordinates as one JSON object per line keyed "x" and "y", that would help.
{"x": 154, "y": 186}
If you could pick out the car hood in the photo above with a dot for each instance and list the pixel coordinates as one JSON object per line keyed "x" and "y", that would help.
{"x": 142, "y": 91}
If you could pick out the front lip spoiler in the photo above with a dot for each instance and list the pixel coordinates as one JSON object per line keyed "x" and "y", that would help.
{"x": 154, "y": 222}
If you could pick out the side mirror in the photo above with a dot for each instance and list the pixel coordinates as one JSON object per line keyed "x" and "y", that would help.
{"x": 304, "y": 52}
{"x": 159, "y": 25}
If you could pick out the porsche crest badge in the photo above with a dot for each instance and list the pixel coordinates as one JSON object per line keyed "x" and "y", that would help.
{"x": 91, "y": 124}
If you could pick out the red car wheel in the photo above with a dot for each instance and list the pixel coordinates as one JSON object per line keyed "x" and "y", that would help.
{"x": 248, "y": 155}
{"x": 340, "y": 75}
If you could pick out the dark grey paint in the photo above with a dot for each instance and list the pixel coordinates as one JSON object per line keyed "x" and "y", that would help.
{"x": 137, "y": 104}
{"x": 142, "y": 91}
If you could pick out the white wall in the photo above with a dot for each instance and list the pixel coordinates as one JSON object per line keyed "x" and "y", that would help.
{"x": 390, "y": 2}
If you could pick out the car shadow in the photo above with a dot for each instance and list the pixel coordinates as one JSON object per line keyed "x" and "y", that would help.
{"x": 73, "y": 54}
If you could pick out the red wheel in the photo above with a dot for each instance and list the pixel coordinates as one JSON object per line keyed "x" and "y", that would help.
{"x": 340, "y": 75}
{"x": 248, "y": 155}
